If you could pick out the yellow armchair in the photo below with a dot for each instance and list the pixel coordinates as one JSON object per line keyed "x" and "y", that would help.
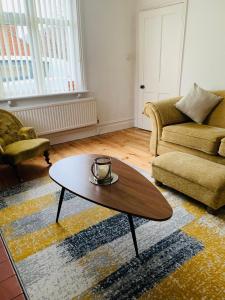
{"x": 18, "y": 143}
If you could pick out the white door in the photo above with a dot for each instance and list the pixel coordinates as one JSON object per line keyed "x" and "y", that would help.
{"x": 161, "y": 33}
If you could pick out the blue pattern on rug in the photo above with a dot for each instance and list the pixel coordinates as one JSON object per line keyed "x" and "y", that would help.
{"x": 72, "y": 205}
{"x": 141, "y": 274}
{"x": 97, "y": 235}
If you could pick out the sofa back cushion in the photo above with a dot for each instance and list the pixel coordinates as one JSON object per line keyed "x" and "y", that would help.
{"x": 217, "y": 116}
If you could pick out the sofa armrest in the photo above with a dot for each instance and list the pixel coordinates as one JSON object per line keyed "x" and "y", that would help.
{"x": 166, "y": 111}
{"x": 1, "y": 150}
{"x": 162, "y": 113}
{"x": 2, "y": 144}
{"x": 27, "y": 133}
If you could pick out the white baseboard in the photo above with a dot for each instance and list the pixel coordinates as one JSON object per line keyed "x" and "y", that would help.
{"x": 115, "y": 125}
{"x": 81, "y": 133}
{"x": 71, "y": 135}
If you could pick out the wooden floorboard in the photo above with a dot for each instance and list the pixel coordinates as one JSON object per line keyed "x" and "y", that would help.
{"x": 130, "y": 145}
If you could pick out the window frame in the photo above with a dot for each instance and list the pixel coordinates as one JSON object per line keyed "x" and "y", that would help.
{"x": 30, "y": 20}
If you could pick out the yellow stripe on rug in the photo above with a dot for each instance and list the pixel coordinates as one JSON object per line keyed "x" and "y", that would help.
{"x": 21, "y": 210}
{"x": 31, "y": 243}
{"x": 205, "y": 270}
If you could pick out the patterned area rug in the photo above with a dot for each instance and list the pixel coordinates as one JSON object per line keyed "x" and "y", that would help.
{"x": 90, "y": 254}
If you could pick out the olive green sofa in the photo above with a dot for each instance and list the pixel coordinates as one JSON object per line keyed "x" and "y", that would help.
{"x": 18, "y": 143}
{"x": 174, "y": 131}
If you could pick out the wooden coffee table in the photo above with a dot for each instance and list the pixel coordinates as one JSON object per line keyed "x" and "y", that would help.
{"x": 132, "y": 194}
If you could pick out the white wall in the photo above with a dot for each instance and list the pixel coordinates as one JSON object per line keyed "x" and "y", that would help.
{"x": 109, "y": 49}
{"x": 204, "y": 49}
{"x": 109, "y": 43}
{"x": 204, "y": 52}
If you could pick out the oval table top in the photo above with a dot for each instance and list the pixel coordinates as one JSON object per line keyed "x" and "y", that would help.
{"x": 132, "y": 193}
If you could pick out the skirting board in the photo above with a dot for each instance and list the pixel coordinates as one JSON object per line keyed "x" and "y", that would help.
{"x": 80, "y": 133}
{"x": 114, "y": 126}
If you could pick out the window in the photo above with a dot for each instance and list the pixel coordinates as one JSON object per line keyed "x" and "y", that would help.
{"x": 39, "y": 48}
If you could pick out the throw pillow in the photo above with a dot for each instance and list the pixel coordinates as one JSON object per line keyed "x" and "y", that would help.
{"x": 198, "y": 103}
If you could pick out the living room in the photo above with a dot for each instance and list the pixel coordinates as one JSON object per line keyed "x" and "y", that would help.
{"x": 112, "y": 143}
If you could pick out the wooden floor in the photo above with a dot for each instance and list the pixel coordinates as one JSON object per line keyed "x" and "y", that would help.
{"x": 130, "y": 145}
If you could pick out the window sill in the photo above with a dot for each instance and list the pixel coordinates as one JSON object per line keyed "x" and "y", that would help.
{"x": 36, "y": 106}
{"x": 42, "y": 96}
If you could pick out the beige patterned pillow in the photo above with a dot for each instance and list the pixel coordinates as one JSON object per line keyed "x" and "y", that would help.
{"x": 198, "y": 103}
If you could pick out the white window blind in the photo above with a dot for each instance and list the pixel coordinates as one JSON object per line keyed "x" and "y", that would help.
{"x": 39, "y": 48}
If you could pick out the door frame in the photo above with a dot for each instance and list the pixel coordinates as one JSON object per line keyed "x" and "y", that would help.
{"x": 156, "y": 5}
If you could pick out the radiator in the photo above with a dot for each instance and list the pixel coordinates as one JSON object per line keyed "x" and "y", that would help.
{"x": 61, "y": 116}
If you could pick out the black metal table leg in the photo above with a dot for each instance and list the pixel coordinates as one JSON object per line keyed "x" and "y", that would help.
{"x": 15, "y": 168}
{"x": 60, "y": 203}
{"x": 132, "y": 229}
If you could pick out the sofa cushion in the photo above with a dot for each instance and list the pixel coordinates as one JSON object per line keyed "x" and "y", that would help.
{"x": 22, "y": 150}
{"x": 216, "y": 117}
{"x": 222, "y": 148}
{"x": 196, "y": 136}
{"x": 198, "y": 103}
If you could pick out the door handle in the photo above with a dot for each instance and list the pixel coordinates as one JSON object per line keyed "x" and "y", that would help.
{"x": 142, "y": 86}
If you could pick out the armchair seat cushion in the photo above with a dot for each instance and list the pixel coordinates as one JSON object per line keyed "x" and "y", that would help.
{"x": 222, "y": 148}
{"x": 21, "y": 150}
{"x": 196, "y": 136}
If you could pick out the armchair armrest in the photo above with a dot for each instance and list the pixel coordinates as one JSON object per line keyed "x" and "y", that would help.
{"x": 162, "y": 113}
{"x": 27, "y": 133}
